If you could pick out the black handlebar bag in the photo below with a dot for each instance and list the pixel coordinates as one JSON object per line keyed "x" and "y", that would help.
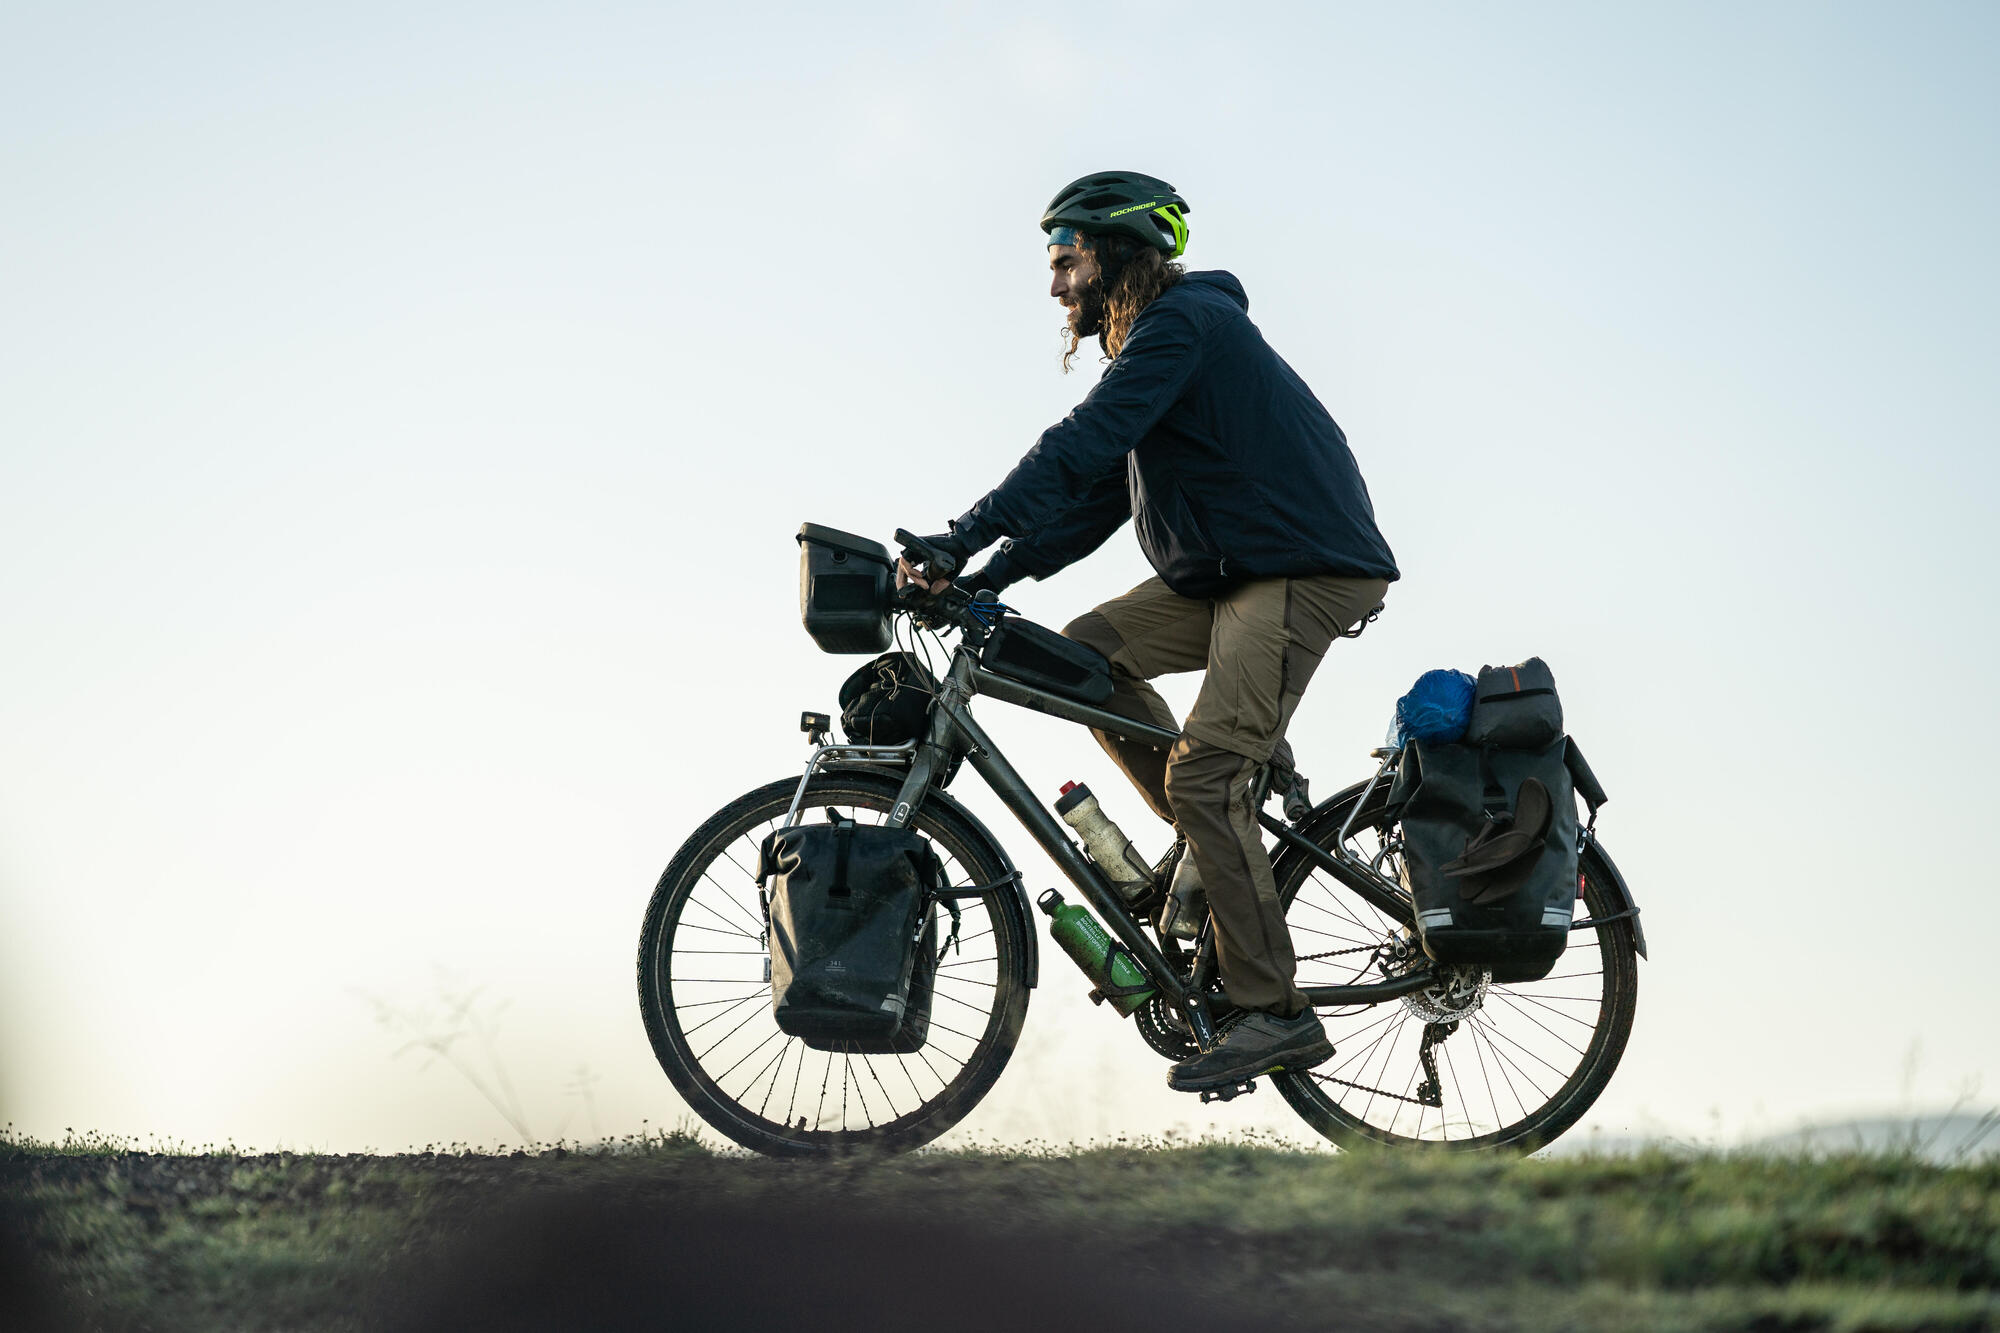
{"x": 1489, "y": 829}
{"x": 853, "y": 935}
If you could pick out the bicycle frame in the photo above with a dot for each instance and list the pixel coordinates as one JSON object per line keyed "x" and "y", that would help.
{"x": 952, "y": 726}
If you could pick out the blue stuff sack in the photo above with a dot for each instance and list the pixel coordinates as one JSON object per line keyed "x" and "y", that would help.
{"x": 1437, "y": 709}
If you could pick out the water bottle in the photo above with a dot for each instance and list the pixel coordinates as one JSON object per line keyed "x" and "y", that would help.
{"x": 1187, "y": 902}
{"x": 1107, "y": 844}
{"x": 1119, "y": 978}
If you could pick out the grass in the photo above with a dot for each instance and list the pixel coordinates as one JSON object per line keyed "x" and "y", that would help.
{"x": 1275, "y": 1238}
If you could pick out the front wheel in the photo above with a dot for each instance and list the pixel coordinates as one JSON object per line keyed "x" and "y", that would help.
{"x": 705, "y": 991}
{"x": 1471, "y": 1063}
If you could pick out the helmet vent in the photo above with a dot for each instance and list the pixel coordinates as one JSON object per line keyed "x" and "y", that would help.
{"x": 1096, "y": 201}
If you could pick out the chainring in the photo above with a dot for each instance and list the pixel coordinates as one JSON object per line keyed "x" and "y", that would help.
{"x": 1163, "y": 1031}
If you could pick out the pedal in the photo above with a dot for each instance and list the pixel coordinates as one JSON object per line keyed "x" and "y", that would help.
{"x": 1229, "y": 1094}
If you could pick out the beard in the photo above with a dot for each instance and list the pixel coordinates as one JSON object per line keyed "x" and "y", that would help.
{"x": 1086, "y": 317}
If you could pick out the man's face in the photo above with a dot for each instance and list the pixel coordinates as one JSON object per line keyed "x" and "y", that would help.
{"x": 1075, "y": 285}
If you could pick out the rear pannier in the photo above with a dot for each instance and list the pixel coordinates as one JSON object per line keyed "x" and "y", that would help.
{"x": 853, "y": 930}
{"x": 845, "y": 586}
{"x": 1490, "y": 831}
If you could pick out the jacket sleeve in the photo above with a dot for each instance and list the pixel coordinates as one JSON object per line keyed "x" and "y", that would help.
{"x": 1073, "y": 456}
{"x": 1070, "y": 537}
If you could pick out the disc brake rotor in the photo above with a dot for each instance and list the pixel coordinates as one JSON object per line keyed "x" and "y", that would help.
{"x": 1459, "y": 993}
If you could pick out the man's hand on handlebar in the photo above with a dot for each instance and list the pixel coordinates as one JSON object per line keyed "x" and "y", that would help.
{"x": 908, "y": 577}
{"x": 929, "y": 563}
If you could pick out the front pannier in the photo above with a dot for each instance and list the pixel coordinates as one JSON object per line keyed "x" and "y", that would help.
{"x": 1035, "y": 655}
{"x": 1489, "y": 830}
{"x": 845, "y": 587}
{"x": 853, "y": 935}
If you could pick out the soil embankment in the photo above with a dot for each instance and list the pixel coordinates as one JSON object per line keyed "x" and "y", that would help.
{"x": 1220, "y": 1236}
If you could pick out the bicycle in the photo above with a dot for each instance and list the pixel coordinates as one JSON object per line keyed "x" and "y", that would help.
{"x": 1425, "y": 1052}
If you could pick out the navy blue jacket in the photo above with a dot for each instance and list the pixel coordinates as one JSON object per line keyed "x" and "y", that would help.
{"x": 1209, "y": 442}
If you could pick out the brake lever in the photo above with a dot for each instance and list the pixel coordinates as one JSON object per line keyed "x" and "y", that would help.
{"x": 937, "y": 564}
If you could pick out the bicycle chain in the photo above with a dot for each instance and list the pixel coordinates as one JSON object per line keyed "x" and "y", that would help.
{"x": 1335, "y": 953}
{"x": 1430, "y": 1092}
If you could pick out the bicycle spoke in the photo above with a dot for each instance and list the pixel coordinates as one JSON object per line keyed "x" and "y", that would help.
{"x": 747, "y": 1055}
{"x": 693, "y": 901}
{"x": 1524, "y": 1049}
{"x": 706, "y": 1004}
{"x": 1494, "y": 1036}
{"x": 879, "y": 1087}
{"x": 1514, "y": 997}
{"x": 727, "y": 1035}
{"x": 756, "y": 928}
{"x": 961, "y": 1003}
{"x": 1451, "y": 1067}
{"x": 725, "y": 1013}
{"x": 689, "y": 925}
{"x": 777, "y": 1074}
{"x": 1577, "y": 1050}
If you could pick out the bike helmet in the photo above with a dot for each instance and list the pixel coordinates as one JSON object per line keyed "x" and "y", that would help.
{"x": 1120, "y": 203}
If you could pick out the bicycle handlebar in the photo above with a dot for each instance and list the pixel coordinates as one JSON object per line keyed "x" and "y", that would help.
{"x": 937, "y": 563}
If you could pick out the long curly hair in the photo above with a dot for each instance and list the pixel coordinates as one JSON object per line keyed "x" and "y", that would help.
{"x": 1131, "y": 275}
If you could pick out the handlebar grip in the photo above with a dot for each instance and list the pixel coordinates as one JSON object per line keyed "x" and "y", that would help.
{"x": 941, "y": 564}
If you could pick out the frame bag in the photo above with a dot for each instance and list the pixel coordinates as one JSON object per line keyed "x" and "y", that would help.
{"x": 1489, "y": 829}
{"x": 853, "y": 935}
{"x": 1035, "y": 655}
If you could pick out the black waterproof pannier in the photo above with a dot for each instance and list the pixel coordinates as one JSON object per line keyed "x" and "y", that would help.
{"x": 1033, "y": 655}
{"x": 853, "y": 935}
{"x": 1490, "y": 832}
{"x": 845, "y": 586}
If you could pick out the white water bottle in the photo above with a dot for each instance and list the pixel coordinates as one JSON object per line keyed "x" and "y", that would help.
{"x": 1187, "y": 902}
{"x": 1106, "y": 842}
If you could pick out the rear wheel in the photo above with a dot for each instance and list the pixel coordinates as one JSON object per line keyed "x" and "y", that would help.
{"x": 1515, "y": 1064}
{"x": 705, "y": 993}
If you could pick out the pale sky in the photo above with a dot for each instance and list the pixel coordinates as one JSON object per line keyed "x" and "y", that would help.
{"x": 405, "y": 411}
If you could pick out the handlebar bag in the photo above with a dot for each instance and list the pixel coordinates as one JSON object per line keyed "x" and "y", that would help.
{"x": 1029, "y": 653}
{"x": 851, "y": 917}
{"x": 845, "y": 583}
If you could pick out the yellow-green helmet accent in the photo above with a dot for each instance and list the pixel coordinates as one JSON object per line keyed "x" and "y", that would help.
{"x": 1123, "y": 203}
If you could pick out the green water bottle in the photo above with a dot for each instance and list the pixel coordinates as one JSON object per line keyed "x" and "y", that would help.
{"x": 1105, "y": 961}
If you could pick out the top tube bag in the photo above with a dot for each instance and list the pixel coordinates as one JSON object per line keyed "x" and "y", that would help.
{"x": 1035, "y": 655}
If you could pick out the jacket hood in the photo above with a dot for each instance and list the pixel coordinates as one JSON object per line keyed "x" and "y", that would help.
{"x": 1224, "y": 281}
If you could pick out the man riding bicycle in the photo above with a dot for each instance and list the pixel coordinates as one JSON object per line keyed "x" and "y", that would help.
{"x": 1252, "y": 511}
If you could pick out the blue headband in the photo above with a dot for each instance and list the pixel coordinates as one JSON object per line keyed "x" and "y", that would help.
{"x": 1063, "y": 236}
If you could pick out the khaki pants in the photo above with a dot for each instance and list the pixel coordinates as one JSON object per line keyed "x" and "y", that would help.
{"x": 1260, "y": 644}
